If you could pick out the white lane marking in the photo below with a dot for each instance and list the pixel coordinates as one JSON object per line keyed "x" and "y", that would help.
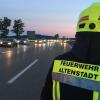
{"x": 22, "y": 72}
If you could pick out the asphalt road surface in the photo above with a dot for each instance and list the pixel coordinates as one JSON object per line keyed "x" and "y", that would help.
{"x": 23, "y": 69}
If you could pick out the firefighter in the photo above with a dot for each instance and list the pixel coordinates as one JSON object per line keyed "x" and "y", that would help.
{"x": 75, "y": 75}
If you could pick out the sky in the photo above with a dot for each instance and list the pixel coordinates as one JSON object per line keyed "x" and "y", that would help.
{"x": 47, "y": 17}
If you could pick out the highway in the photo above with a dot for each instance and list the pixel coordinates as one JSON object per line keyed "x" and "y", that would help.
{"x": 23, "y": 69}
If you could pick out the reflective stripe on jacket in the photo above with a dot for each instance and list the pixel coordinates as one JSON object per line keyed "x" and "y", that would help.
{"x": 76, "y": 74}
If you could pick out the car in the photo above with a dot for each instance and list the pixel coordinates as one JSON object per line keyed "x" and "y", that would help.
{"x": 39, "y": 41}
{"x": 17, "y": 41}
{"x": 1, "y": 42}
{"x": 23, "y": 41}
{"x": 8, "y": 42}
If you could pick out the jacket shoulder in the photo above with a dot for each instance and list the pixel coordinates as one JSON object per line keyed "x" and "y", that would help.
{"x": 65, "y": 56}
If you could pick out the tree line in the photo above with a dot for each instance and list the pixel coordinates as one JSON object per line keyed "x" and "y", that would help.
{"x": 17, "y": 28}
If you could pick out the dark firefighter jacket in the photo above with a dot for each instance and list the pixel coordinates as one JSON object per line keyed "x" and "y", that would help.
{"x": 85, "y": 50}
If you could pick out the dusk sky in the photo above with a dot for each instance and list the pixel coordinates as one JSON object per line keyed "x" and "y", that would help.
{"x": 46, "y": 16}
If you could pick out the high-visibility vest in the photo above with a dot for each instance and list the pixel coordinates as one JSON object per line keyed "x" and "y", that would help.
{"x": 77, "y": 74}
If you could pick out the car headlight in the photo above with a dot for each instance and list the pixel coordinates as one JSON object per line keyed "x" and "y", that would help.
{"x": 36, "y": 41}
{"x": 24, "y": 41}
{"x": 40, "y": 41}
{"x": 9, "y": 43}
{"x": 18, "y": 41}
{"x": 1, "y": 42}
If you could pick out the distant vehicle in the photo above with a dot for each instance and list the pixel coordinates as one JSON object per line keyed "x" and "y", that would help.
{"x": 8, "y": 42}
{"x": 1, "y": 42}
{"x": 23, "y": 41}
{"x": 39, "y": 41}
{"x": 17, "y": 41}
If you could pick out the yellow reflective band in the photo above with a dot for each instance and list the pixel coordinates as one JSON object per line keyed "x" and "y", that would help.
{"x": 82, "y": 70}
{"x": 95, "y": 95}
{"x": 58, "y": 90}
{"x": 54, "y": 98}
